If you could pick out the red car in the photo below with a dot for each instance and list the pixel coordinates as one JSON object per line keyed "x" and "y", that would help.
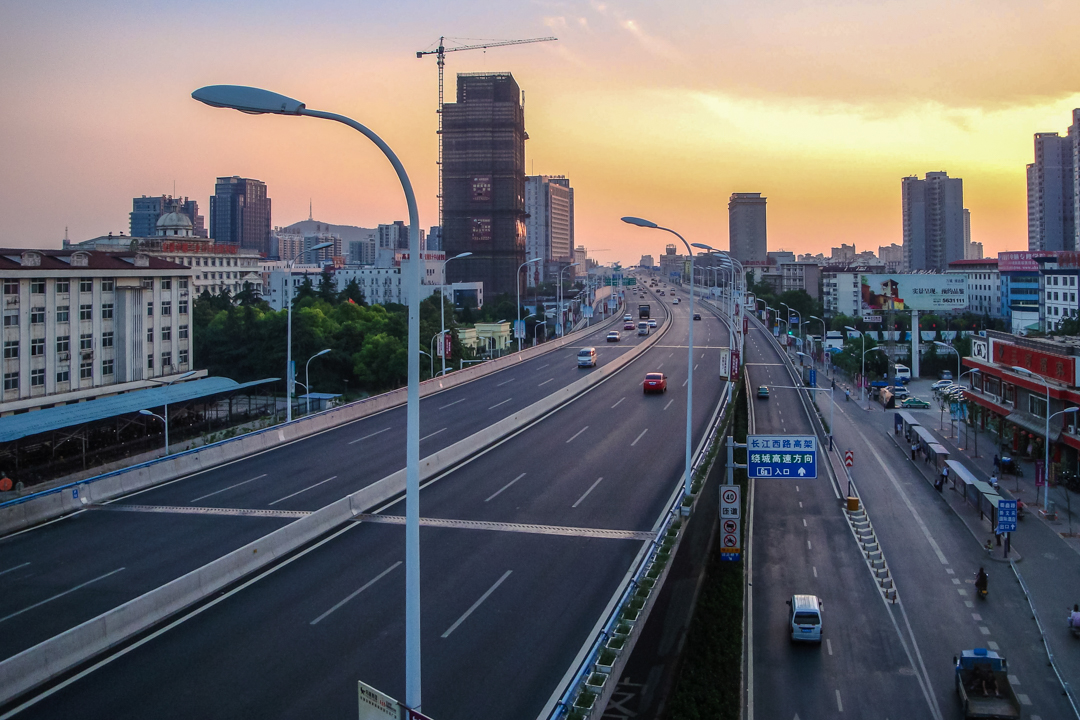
{"x": 628, "y": 326}
{"x": 655, "y": 382}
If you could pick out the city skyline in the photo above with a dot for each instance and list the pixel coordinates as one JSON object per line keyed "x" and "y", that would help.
{"x": 622, "y": 103}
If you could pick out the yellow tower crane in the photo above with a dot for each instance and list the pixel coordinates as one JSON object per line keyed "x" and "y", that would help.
{"x": 440, "y": 57}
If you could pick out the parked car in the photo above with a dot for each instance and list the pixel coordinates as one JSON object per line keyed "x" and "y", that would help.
{"x": 945, "y": 375}
{"x": 915, "y": 403}
{"x": 614, "y": 336}
{"x": 943, "y": 383}
{"x": 655, "y": 382}
{"x": 899, "y": 391}
{"x": 763, "y": 392}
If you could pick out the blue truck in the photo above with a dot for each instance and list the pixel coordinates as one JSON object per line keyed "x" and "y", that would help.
{"x": 982, "y": 682}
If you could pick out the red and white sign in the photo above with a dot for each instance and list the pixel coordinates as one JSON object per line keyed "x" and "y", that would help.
{"x": 849, "y": 458}
{"x": 448, "y": 343}
{"x": 734, "y": 364}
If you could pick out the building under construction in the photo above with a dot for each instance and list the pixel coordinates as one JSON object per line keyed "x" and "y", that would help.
{"x": 484, "y": 181}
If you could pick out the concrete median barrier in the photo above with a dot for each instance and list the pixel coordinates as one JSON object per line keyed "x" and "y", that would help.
{"x": 45, "y": 661}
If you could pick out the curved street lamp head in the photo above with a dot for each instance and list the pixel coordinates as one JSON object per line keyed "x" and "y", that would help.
{"x": 320, "y": 246}
{"x": 848, "y": 327}
{"x": 321, "y": 352}
{"x": 254, "y": 101}
{"x": 460, "y": 255}
{"x": 145, "y": 412}
{"x": 703, "y": 246}
{"x": 944, "y": 345}
{"x": 1022, "y": 371}
{"x": 640, "y": 222}
{"x": 815, "y": 317}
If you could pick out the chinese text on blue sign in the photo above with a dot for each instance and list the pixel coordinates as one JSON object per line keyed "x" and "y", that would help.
{"x": 1006, "y": 516}
{"x": 786, "y": 456}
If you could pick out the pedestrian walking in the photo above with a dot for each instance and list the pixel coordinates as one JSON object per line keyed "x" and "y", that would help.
{"x": 944, "y": 478}
{"x": 914, "y": 449}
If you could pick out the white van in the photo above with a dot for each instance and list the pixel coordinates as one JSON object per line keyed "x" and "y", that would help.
{"x": 643, "y": 328}
{"x": 586, "y": 357}
{"x": 902, "y": 373}
{"x": 804, "y": 618}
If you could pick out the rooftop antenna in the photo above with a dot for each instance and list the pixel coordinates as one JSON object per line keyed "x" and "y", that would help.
{"x": 309, "y": 209}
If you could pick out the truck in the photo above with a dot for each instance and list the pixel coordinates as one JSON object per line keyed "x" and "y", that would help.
{"x": 982, "y": 682}
{"x": 643, "y": 311}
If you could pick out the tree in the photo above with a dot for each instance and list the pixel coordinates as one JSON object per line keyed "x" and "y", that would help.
{"x": 352, "y": 292}
{"x": 327, "y": 292}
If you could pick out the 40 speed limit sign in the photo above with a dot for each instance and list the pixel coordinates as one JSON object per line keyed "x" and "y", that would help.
{"x": 730, "y": 522}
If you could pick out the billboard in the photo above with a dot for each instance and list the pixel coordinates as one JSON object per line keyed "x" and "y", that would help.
{"x": 882, "y": 293}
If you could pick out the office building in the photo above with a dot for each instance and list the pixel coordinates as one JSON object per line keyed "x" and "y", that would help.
{"x": 1052, "y": 183}
{"x": 983, "y": 284}
{"x": 146, "y": 211}
{"x": 240, "y": 214}
{"x": 747, "y": 239}
{"x": 892, "y": 256}
{"x": 646, "y": 261}
{"x": 434, "y": 239}
{"x": 933, "y": 212}
{"x": 484, "y": 181}
{"x": 1057, "y": 289}
{"x": 79, "y": 324}
{"x": 801, "y": 276}
{"x": 549, "y": 202}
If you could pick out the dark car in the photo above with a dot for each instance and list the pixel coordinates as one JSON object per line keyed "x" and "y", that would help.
{"x": 697, "y": 316}
{"x": 655, "y": 382}
{"x": 763, "y": 392}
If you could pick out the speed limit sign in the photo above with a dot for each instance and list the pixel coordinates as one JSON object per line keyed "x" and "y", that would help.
{"x": 730, "y": 521}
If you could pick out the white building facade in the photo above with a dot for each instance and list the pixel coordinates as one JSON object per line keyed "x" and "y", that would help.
{"x": 80, "y": 324}
{"x": 549, "y": 229}
{"x": 983, "y": 285}
{"x": 841, "y": 294}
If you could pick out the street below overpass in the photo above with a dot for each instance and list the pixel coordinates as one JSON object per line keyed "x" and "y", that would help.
{"x": 878, "y": 659}
{"x": 523, "y": 549}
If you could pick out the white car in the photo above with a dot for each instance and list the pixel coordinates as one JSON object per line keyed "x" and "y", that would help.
{"x": 899, "y": 391}
{"x": 652, "y": 323}
{"x": 804, "y": 618}
{"x": 675, "y": 301}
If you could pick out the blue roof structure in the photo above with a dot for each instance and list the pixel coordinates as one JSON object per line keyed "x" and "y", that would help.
{"x": 14, "y": 427}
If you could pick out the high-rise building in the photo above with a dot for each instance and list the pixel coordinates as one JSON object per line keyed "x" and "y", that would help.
{"x": 434, "y": 239}
{"x": 240, "y": 214}
{"x": 549, "y": 201}
{"x": 746, "y": 227}
{"x": 892, "y": 256}
{"x": 484, "y": 181}
{"x": 1053, "y": 202}
{"x": 146, "y": 211}
{"x": 933, "y": 222}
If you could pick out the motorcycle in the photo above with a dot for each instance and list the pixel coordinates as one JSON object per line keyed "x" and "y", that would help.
{"x": 1020, "y": 509}
{"x": 1011, "y": 467}
{"x": 980, "y": 584}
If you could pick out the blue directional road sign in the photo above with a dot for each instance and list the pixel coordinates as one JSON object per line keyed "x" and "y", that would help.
{"x": 782, "y": 456}
{"x": 1006, "y": 516}
{"x": 813, "y": 377}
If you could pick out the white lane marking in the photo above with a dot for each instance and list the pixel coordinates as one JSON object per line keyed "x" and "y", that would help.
{"x": 697, "y": 366}
{"x": 1024, "y": 699}
{"x": 684, "y": 382}
{"x": 506, "y": 382}
{"x": 804, "y": 522}
{"x": 368, "y": 584}
{"x": 808, "y": 546}
{"x": 203, "y": 497}
{"x": 984, "y": 630}
{"x": 543, "y": 366}
{"x": 796, "y": 488}
{"x": 903, "y": 496}
{"x": 702, "y": 356}
{"x": 669, "y": 403}
{"x": 380, "y": 432}
{"x": 443, "y": 407}
{"x": 660, "y": 366}
{"x": 800, "y": 503}
{"x": 1013, "y": 680}
{"x": 12, "y": 569}
{"x": 828, "y": 645}
{"x": 815, "y": 570}
{"x": 591, "y": 487}
{"x": 670, "y": 354}
{"x": 545, "y": 382}
{"x": 992, "y": 645}
{"x": 617, "y": 404}
{"x": 502, "y": 403}
{"x": 496, "y": 493}
{"x": 477, "y": 604}
{"x": 639, "y": 437}
{"x": 578, "y": 433}
{"x": 309, "y": 487}
{"x": 839, "y": 705}
{"x": 432, "y": 434}
{"x": 58, "y": 595}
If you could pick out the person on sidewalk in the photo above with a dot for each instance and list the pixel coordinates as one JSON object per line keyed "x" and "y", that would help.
{"x": 944, "y": 478}
{"x": 914, "y": 449}
{"x": 994, "y": 480}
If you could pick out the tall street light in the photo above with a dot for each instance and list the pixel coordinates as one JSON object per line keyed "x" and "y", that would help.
{"x": 517, "y": 284}
{"x": 561, "y": 325}
{"x": 690, "y": 347}
{"x": 442, "y": 308}
{"x": 181, "y": 376}
{"x": 734, "y": 331}
{"x": 307, "y": 378}
{"x": 953, "y": 349}
{"x": 289, "y": 375}
{"x": 1046, "y": 438}
{"x": 256, "y": 101}
{"x": 824, "y": 336}
{"x": 862, "y": 380}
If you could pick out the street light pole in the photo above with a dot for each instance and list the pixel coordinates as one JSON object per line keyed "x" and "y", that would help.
{"x": 147, "y": 412}
{"x": 824, "y": 336}
{"x": 690, "y": 347}
{"x": 255, "y": 100}
{"x": 517, "y": 284}
{"x": 862, "y": 379}
{"x": 442, "y": 308}
{"x": 950, "y": 347}
{"x": 288, "y": 330}
{"x": 307, "y": 379}
{"x": 1046, "y": 437}
{"x": 560, "y": 324}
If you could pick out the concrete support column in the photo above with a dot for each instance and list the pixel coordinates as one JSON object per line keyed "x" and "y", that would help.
{"x": 915, "y": 344}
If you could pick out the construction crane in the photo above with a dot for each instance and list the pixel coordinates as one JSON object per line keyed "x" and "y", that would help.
{"x": 440, "y": 56}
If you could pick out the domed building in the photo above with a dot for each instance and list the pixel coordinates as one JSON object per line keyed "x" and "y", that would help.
{"x": 175, "y": 225}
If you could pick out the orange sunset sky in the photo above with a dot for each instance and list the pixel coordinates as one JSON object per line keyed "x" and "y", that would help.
{"x": 660, "y": 110}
